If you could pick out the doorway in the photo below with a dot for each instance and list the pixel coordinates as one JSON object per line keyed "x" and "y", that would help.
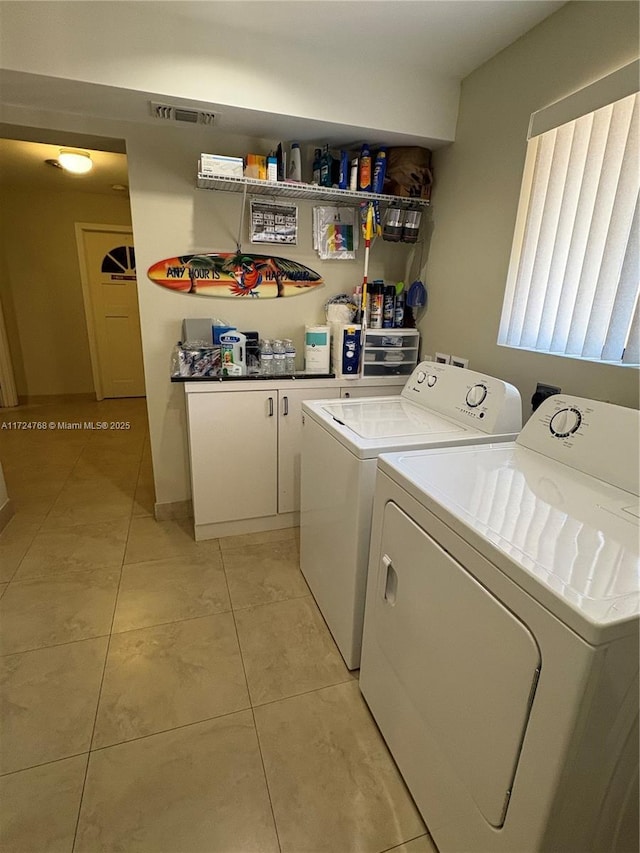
{"x": 43, "y": 296}
{"x": 108, "y": 272}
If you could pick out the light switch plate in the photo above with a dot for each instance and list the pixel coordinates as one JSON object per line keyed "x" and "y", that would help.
{"x": 442, "y": 358}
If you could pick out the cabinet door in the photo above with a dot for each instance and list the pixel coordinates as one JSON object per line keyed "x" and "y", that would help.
{"x": 233, "y": 449}
{"x": 290, "y": 440}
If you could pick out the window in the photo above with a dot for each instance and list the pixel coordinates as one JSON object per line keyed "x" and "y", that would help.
{"x": 573, "y": 281}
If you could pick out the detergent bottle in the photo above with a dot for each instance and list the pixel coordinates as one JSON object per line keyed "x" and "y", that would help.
{"x": 233, "y": 348}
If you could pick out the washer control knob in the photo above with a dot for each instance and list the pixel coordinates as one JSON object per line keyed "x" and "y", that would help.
{"x": 476, "y": 395}
{"x": 431, "y": 380}
{"x": 565, "y": 422}
{"x": 421, "y": 377}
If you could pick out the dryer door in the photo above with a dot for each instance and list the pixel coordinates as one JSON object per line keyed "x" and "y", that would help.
{"x": 467, "y": 664}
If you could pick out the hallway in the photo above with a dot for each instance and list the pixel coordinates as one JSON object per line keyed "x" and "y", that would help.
{"x": 163, "y": 695}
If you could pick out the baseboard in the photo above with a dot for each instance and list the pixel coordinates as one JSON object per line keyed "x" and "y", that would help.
{"x": 246, "y": 525}
{"x": 6, "y": 514}
{"x": 173, "y": 510}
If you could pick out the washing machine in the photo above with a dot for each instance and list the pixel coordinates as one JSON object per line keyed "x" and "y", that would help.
{"x": 500, "y": 650}
{"x": 341, "y": 440}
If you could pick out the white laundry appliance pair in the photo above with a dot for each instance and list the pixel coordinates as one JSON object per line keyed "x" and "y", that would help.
{"x": 500, "y": 651}
{"x": 440, "y": 405}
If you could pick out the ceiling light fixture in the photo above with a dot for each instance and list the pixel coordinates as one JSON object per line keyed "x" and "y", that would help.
{"x": 77, "y": 162}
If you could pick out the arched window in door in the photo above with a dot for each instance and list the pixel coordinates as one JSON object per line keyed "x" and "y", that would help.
{"x": 122, "y": 259}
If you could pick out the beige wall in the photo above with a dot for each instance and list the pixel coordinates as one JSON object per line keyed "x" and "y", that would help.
{"x": 4, "y": 497}
{"x": 171, "y": 217}
{"x": 41, "y": 290}
{"x": 478, "y": 185}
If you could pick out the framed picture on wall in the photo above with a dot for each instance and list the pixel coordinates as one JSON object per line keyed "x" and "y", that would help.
{"x": 272, "y": 222}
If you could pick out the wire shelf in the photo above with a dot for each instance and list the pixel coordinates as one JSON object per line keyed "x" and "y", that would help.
{"x": 294, "y": 190}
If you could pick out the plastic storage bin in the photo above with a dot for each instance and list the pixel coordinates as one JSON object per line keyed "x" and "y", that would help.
{"x": 390, "y": 352}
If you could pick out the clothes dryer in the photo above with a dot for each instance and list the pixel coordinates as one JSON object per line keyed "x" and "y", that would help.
{"x": 440, "y": 405}
{"x": 500, "y": 651}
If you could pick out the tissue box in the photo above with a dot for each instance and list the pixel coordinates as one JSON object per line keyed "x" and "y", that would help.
{"x": 220, "y": 166}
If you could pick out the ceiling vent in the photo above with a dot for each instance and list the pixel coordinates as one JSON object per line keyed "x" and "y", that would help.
{"x": 167, "y": 112}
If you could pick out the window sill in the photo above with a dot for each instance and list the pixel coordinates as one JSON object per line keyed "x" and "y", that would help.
{"x": 573, "y": 357}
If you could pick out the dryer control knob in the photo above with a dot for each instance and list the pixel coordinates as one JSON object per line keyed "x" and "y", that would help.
{"x": 476, "y": 395}
{"x": 431, "y": 380}
{"x": 421, "y": 377}
{"x": 565, "y": 422}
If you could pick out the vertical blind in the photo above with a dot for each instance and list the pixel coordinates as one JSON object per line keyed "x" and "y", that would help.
{"x": 574, "y": 274}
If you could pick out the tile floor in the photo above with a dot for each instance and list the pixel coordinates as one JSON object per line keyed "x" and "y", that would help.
{"x": 163, "y": 695}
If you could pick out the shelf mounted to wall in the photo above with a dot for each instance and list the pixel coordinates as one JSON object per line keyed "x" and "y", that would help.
{"x": 295, "y": 190}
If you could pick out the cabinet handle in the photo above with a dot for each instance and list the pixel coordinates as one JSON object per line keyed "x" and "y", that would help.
{"x": 270, "y": 407}
{"x": 285, "y": 405}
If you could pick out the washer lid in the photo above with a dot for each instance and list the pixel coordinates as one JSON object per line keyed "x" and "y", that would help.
{"x": 382, "y": 418}
{"x": 370, "y": 426}
{"x": 570, "y": 540}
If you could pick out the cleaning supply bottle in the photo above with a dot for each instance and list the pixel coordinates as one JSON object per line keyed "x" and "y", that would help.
{"x": 325, "y": 167}
{"x": 295, "y": 166}
{"x": 398, "y": 319}
{"x": 353, "y": 175}
{"x": 388, "y": 306}
{"x": 377, "y": 301}
{"x": 317, "y": 164}
{"x": 364, "y": 177}
{"x": 379, "y": 170}
{"x": 233, "y": 348}
{"x": 343, "y": 180}
{"x": 290, "y": 357}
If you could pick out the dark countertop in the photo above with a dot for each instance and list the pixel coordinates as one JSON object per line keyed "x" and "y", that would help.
{"x": 254, "y": 378}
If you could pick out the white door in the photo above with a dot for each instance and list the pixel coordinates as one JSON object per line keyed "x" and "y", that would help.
{"x": 290, "y": 443}
{"x": 233, "y": 447}
{"x": 107, "y": 259}
{"x": 468, "y": 666}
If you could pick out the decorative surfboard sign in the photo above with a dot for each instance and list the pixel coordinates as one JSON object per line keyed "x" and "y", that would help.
{"x": 234, "y": 274}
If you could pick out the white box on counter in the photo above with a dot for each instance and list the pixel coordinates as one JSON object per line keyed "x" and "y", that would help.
{"x": 219, "y": 165}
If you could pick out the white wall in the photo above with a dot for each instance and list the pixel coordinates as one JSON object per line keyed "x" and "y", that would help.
{"x": 41, "y": 290}
{"x": 478, "y": 186}
{"x": 178, "y": 49}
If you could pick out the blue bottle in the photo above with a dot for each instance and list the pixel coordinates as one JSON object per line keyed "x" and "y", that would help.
{"x": 379, "y": 170}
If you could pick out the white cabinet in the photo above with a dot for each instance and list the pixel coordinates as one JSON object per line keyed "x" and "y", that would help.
{"x": 244, "y": 448}
{"x": 233, "y": 448}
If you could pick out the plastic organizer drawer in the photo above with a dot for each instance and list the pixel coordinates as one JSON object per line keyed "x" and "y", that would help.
{"x": 392, "y": 339}
{"x": 388, "y": 368}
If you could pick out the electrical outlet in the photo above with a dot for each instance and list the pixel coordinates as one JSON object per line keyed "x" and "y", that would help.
{"x": 547, "y": 390}
{"x": 542, "y": 392}
{"x": 441, "y": 358}
{"x": 457, "y": 361}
